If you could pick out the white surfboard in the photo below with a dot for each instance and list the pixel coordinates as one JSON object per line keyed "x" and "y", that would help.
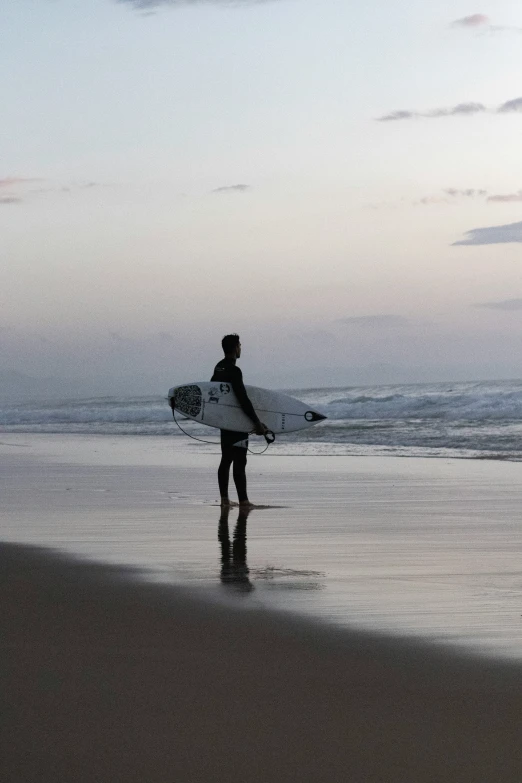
{"x": 216, "y": 405}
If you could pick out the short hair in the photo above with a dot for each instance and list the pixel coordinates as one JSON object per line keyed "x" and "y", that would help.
{"x": 229, "y": 342}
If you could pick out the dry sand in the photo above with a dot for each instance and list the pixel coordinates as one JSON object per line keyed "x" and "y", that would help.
{"x": 106, "y": 679}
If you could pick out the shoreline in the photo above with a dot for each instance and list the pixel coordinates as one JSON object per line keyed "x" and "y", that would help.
{"x": 412, "y": 548}
{"x": 195, "y": 446}
{"x": 109, "y": 678}
{"x": 31, "y": 440}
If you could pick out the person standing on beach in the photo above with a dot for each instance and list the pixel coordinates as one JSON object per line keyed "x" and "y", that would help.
{"x": 234, "y": 445}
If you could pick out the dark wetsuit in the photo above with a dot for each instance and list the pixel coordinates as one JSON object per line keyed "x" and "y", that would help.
{"x": 234, "y": 444}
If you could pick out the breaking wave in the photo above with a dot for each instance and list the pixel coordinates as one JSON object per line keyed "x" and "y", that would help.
{"x": 481, "y": 420}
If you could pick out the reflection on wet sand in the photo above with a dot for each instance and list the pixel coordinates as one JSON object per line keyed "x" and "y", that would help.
{"x": 234, "y": 568}
{"x": 290, "y": 578}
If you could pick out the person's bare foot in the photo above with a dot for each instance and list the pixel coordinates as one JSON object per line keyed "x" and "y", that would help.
{"x": 227, "y": 503}
{"x": 248, "y": 506}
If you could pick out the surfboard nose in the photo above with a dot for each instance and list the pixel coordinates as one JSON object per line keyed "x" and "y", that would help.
{"x": 314, "y": 416}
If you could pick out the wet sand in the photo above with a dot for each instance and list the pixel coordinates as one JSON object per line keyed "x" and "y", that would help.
{"x": 429, "y": 548}
{"x": 108, "y": 679}
{"x": 108, "y": 676}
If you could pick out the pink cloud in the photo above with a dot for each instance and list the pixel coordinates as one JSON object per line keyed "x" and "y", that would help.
{"x": 506, "y": 198}
{"x": 8, "y": 182}
{"x": 474, "y": 20}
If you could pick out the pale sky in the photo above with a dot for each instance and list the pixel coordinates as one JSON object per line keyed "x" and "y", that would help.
{"x": 339, "y": 182}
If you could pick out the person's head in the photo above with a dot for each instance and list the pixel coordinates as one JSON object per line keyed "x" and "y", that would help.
{"x": 231, "y": 345}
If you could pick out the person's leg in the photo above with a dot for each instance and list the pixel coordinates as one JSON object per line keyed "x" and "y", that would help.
{"x": 227, "y": 458}
{"x": 239, "y": 473}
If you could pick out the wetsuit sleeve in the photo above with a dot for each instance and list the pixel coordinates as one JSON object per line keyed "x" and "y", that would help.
{"x": 241, "y": 393}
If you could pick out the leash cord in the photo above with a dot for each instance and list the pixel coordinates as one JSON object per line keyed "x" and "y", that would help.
{"x": 215, "y": 442}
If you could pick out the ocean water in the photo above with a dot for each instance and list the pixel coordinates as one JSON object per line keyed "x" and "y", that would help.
{"x": 474, "y": 420}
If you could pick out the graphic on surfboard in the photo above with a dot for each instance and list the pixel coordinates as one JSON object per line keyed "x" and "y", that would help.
{"x": 216, "y": 405}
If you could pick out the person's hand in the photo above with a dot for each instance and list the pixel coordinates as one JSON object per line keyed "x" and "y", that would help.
{"x": 260, "y": 428}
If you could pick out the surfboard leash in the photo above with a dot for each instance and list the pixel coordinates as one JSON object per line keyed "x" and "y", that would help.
{"x": 269, "y": 436}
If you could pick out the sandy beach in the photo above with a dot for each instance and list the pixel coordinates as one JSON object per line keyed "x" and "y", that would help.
{"x": 106, "y": 679}
{"x": 309, "y": 649}
{"x": 428, "y": 548}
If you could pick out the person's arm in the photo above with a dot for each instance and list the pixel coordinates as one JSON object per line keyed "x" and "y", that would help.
{"x": 241, "y": 393}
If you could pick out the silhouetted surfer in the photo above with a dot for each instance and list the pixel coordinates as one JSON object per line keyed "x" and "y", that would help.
{"x": 234, "y": 445}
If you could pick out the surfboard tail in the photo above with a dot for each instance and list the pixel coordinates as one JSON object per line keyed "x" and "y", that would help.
{"x": 313, "y": 416}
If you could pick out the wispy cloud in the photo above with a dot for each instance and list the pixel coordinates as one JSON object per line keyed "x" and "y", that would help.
{"x": 484, "y": 24}
{"x": 509, "y": 305}
{"x": 69, "y": 187}
{"x": 493, "y": 235}
{"x": 465, "y": 109}
{"x": 452, "y": 196}
{"x": 151, "y": 5}
{"x": 464, "y": 193}
{"x": 506, "y": 198}
{"x": 502, "y": 28}
{"x": 15, "y": 186}
{"x": 461, "y": 109}
{"x": 383, "y": 320}
{"x": 474, "y": 20}
{"x": 401, "y": 114}
{"x": 19, "y": 189}
{"x": 511, "y": 106}
{"x": 241, "y": 188}
{"x": 10, "y": 182}
{"x": 429, "y": 201}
